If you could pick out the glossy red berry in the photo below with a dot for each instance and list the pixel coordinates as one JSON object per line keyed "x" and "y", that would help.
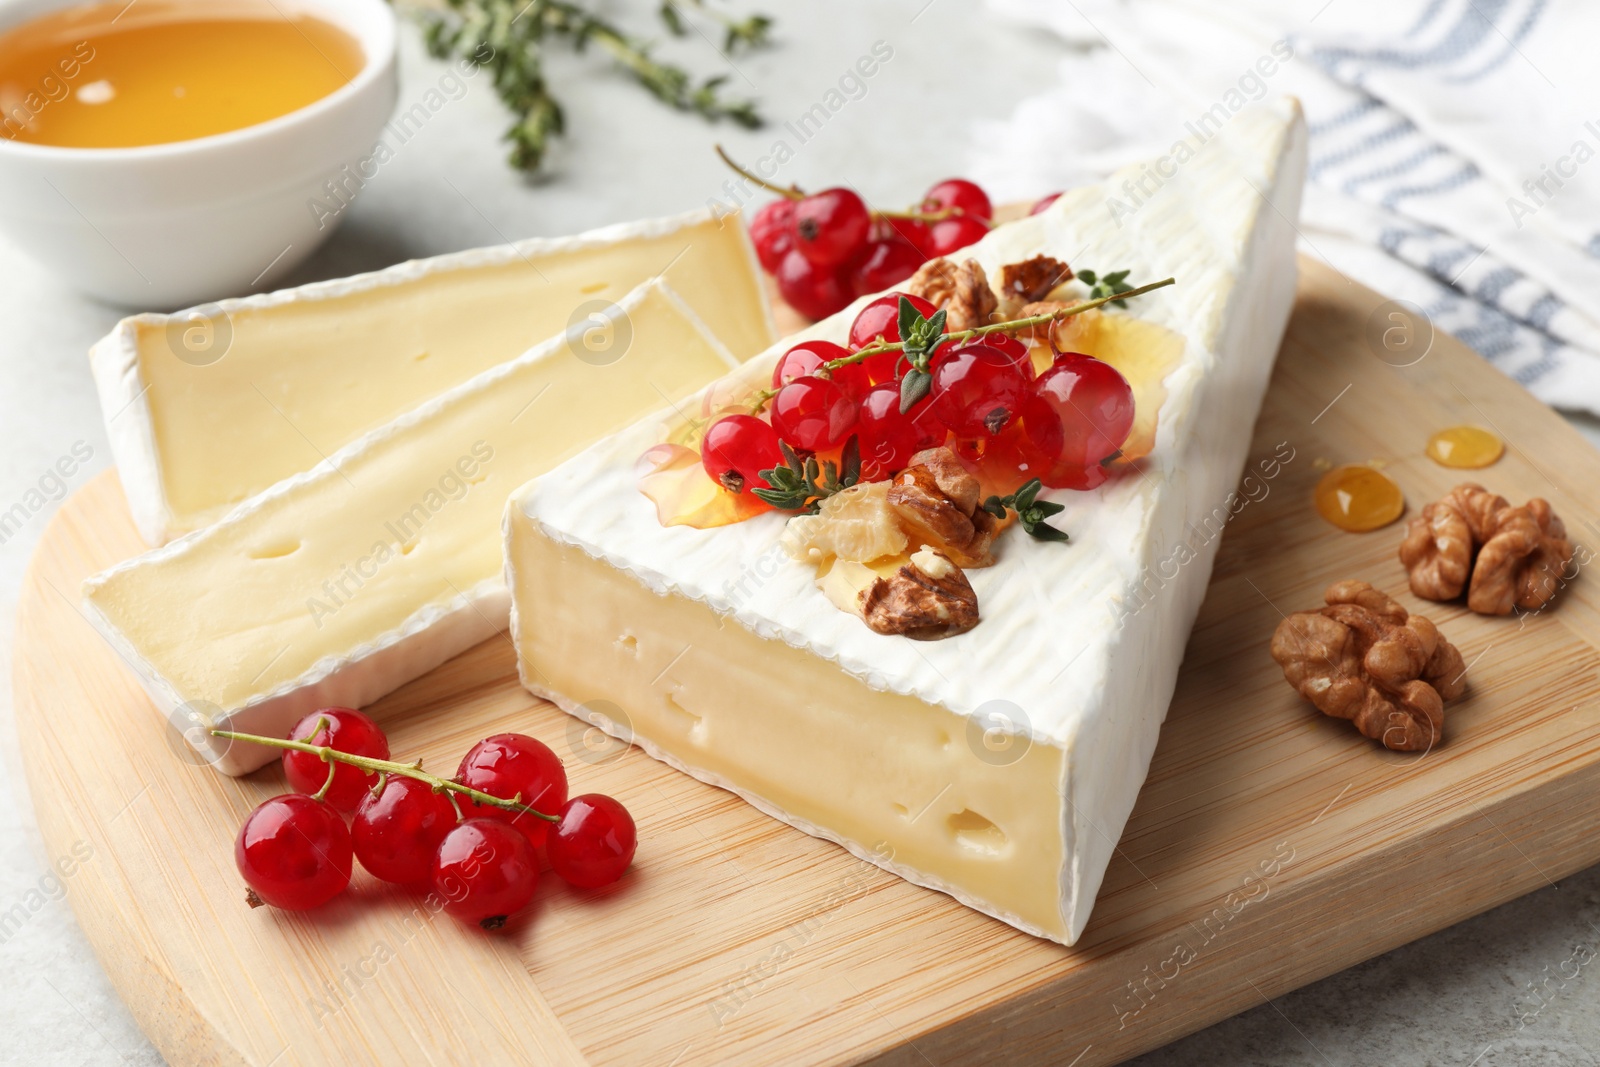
{"x": 1044, "y": 203}
{"x": 813, "y": 414}
{"x": 485, "y": 871}
{"x": 736, "y": 449}
{"x": 807, "y": 356}
{"x": 294, "y": 852}
{"x": 515, "y": 767}
{"x": 954, "y": 234}
{"x": 345, "y": 730}
{"x": 978, "y": 389}
{"x": 885, "y": 263}
{"x": 1093, "y": 408}
{"x": 889, "y": 439}
{"x": 960, "y": 196}
{"x": 816, "y": 292}
{"x": 397, "y": 833}
{"x": 772, "y": 232}
{"x": 594, "y": 842}
{"x": 880, "y": 321}
{"x": 1016, "y": 455}
{"x": 1014, "y": 349}
{"x": 914, "y": 232}
{"x": 830, "y": 227}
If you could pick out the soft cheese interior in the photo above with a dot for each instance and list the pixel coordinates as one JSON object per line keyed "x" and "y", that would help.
{"x": 340, "y": 584}
{"x": 999, "y": 766}
{"x": 204, "y": 411}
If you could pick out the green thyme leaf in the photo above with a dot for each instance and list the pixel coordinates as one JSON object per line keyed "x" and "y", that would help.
{"x": 802, "y": 484}
{"x": 913, "y": 387}
{"x": 1109, "y": 284}
{"x": 510, "y": 39}
{"x": 1031, "y": 512}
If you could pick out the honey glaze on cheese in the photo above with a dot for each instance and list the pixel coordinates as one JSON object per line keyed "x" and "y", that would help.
{"x": 120, "y": 75}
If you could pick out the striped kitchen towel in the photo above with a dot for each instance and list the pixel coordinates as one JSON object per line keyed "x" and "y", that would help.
{"x": 1453, "y": 163}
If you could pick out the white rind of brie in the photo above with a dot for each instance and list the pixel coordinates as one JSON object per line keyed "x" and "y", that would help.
{"x": 208, "y": 406}
{"x": 1000, "y": 765}
{"x": 340, "y": 584}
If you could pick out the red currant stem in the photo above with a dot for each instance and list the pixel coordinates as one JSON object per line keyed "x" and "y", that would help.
{"x": 791, "y": 193}
{"x": 377, "y": 787}
{"x": 321, "y": 794}
{"x": 929, "y": 216}
{"x": 879, "y": 347}
{"x": 383, "y": 766}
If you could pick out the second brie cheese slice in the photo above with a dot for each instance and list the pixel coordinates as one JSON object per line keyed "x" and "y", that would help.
{"x": 207, "y": 407}
{"x": 340, "y": 584}
{"x": 999, "y": 765}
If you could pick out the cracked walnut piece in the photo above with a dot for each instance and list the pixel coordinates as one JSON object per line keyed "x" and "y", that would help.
{"x": 926, "y": 598}
{"x": 962, "y": 291}
{"x": 936, "y": 500}
{"x": 1366, "y": 659}
{"x": 1032, "y": 280}
{"x": 1505, "y": 556}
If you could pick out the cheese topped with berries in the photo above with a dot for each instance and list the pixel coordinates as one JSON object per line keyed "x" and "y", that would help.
{"x": 999, "y": 764}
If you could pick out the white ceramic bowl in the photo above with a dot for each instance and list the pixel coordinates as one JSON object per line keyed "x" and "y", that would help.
{"x": 169, "y": 225}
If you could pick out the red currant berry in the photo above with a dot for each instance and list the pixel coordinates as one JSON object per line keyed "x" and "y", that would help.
{"x": 831, "y": 226}
{"x": 1093, "y": 407}
{"x": 485, "y": 871}
{"x": 813, "y": 414}
{"x": 886, "y": 263}
{"x": 880, "y": 321}
{"x": 977, "y": 390}
{"x": 344, "y": 730}
{"x": 1044, "y": 204}
{"x": 951, "y": 235}
{"x": 1013, "y": 348}
{"x": 914, "y": 232}
{"x": 807, "y": 356}
{"x": 594, "y": 842}
{"x": 772, "y": 232}
{"x": 294, "y": 852}
{"x": 816, "y": 292}
{"x": 966, "y": 198}
{"x": 737, "y": 449}
{"x": 889, "y": 439}
{"x": 397, "y": 832}
{"x": 1005, "y": 462}
{"x": 512, "y": 767}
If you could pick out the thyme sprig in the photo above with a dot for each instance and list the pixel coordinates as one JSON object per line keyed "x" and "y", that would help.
{"x": 1031, "y": 512}
{"x": 1113, "y": 284}
{"x": 801, "y": 484}
{"x": 509, "y": 38}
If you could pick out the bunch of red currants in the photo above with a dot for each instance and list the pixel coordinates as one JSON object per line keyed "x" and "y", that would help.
{"x": 828, "y": 248}
{"x": 1010, "y": 420}
{"x": 295, "y": 850}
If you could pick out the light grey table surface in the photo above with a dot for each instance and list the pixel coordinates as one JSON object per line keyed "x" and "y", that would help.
{"x": 1453, "y": 998}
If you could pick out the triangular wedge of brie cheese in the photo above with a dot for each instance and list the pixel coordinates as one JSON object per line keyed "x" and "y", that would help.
{"x": 1000, "y": 765}
{"x": 340, "y": 584}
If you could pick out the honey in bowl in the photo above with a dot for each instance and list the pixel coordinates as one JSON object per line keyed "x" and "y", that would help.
{"x": 1465, "y": 447}
{"x": 1358, "y": 498}
{"x": 120, "y": 74}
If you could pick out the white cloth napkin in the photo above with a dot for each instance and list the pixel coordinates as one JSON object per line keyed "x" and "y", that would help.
{"x": 1455, "y": 145}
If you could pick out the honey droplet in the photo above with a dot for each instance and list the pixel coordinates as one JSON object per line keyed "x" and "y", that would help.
{"x": 1359, "y": 498}
{"x": 1465, "y": 447}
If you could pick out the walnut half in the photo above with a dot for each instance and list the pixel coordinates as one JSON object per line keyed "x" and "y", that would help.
{"x": 926, "y": 599}
{"x": 1504, "y": 556}
{"x": 1366, "y": 659}
{"x": 961, "y": 290}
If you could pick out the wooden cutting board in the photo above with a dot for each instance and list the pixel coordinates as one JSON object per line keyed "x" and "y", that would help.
{"x": 1270, "y": 846}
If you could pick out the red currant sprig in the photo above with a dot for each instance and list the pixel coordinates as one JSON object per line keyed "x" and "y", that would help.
{"x": 826, "y": 248}
{"x": 295, "y": 852}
